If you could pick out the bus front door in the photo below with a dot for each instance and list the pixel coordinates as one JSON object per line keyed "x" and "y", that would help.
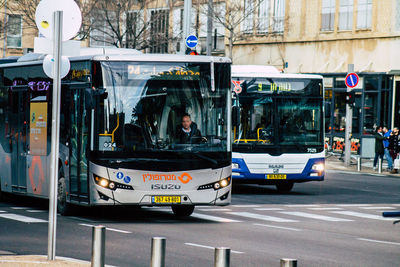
{"x": 18, "y": 135}
{"x": 78, "y": 149}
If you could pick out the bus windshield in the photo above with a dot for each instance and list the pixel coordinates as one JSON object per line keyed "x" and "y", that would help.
{"x": 279, "y": 113}
{"x": 141, "y": 105}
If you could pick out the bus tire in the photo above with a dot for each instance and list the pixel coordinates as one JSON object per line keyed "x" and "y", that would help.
{"x": 284, "y": 187}
{"x": 183, "y": 210}
{"x": 63, "y": 207}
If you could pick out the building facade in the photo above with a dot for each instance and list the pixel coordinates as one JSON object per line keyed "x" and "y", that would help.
{"x": 324, "y": 36}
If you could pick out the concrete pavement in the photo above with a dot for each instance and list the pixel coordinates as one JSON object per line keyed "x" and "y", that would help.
{"x": 37, "y": 260}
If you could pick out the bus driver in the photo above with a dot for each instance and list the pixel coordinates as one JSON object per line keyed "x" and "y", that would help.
{"x": 187, "y": 133}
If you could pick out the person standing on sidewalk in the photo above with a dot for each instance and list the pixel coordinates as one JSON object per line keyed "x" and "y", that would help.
{"x": 386, "y": 134}
{"x": 379, "y": 149}
{"x": 394, "y": 146}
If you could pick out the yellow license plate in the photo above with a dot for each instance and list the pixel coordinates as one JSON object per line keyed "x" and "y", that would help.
{"x": 276, "y": 176}
{"x": 166, "y": 199}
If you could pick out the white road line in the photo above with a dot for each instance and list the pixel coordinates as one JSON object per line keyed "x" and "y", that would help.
{"x": 271, "y": 209}
{"x": 325, "y": 208}
{"x": 2, "y": 211}
{"x": 315, "y": 216}
{"x": 378, "y": 208}
{"x": 214, "y": 209}
{"x": 363, "y": 215}
{"x": 36, "y": 211}
{"x": 246, "y": 206}
{"x": 261, "y": 217}
{"x": 354, "y": 205}
{"x": 81, "y": 219}
{"x": 19, "y": 208}
{"x": 397, "y": 205}
{"x": 208, "y": 247}
{"x": 278, "y": 227}
{"x": 21, "y": 218}
{"x": 108, "y": 228}
{"x": 212, "y": 218}
{"x": 302, "y": 206}
{"x": 379, "y": 241}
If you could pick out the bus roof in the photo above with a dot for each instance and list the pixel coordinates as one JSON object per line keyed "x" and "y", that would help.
{"x": 35, "y": 59}
{"x": 259, "y": 71}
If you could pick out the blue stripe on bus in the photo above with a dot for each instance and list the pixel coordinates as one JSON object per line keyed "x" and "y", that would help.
{"x": 304, "y": 175}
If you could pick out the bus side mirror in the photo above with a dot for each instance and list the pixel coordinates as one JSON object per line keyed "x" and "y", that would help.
{"x": 235, "y": 116}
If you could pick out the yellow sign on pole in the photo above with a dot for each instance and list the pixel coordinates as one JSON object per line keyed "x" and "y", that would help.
{"x": 38, "y": 133}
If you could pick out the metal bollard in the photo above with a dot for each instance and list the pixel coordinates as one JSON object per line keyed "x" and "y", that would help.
{"x": 288, "y": 263}
{"x": 158, "y": 252}
{"x": 222, "y": 257}
{"x": 98, "y": 245}
{"x": 359, "y": 164}
{"x": 380, "y": 165}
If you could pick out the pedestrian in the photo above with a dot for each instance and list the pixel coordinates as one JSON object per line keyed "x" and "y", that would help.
{"x": 379, "y": 149}
{"x": 386, "y": 134}
{"x": 394, "y": 145}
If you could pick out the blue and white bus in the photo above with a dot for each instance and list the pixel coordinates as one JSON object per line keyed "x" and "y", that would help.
{"x": 280, "y": 138}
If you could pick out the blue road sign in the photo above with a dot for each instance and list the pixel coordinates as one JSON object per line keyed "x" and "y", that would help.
{"x": 191, "y": 41}
{"x": 352, "y": 80}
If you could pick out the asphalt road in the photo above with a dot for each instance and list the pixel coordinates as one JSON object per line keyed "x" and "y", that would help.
{"x": 332, "y": 223}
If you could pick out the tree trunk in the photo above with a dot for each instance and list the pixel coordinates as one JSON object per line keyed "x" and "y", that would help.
{"x": 231, "y": 45}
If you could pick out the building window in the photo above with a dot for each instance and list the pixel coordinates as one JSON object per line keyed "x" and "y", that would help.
{"x": 279, "y": 16}
{"x": 14, "y": 31}
{"x": 328, "y": 15}
{"x": 364, "y": 16}
{"x": 248, "y": 13}
{"x": 346, "y": 15}
{"x": 159, "y": 25}
{"x": 101, "y": 33}
{"x": 134, "y": 29}
{"x": 263, "y": 16}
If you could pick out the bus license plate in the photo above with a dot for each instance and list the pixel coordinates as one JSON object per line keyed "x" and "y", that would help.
{"x": 276, "y": 176}
{"x": 166, "y": 199}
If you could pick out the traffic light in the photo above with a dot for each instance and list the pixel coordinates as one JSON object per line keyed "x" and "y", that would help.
{"x": 191, "y": 52}
{"x": 350, "y": 98}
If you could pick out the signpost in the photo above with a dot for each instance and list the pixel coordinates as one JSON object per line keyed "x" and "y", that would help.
{"x": 191, "y": 41}
{"x": 50, "y": 22}
{"x": 351, "y": 81}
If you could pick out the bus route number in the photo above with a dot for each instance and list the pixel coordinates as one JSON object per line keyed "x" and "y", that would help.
{"x": 109, "y": 145}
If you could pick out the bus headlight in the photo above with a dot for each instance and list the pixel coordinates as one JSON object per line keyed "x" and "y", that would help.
{"x": 320, "y": 167}
{"x": 217, "y": 185}
{"x": 235, "y": 166}
{"x": 104, "y": 182}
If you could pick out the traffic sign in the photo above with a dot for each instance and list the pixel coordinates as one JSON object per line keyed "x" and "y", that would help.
{"x": 352, "y": 80}
{"x": 191, "y": 41}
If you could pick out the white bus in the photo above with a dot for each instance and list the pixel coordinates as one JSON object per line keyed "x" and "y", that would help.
{"x": 280, "y": 139}
{"x": 119, "y": 125}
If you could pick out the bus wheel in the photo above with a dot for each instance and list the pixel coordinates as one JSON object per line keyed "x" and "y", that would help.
{"x": 63, "y": 207}
{"x": 183, "y": 210}
{"x": 284, "y": 187}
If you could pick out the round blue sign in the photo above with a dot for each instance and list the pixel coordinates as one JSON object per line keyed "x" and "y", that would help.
{"x": 127, "y": 179}
{"x": 352, "y": 80}
{"x": 120, "y": 175}
{"x": 191, "y": 41}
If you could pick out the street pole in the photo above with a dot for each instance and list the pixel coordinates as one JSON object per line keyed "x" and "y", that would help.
{"x": 209, "y": 27}
{"x": 186, "y": 23}
{"x": 55, "y": 134}
{"x": 349, "y": 122}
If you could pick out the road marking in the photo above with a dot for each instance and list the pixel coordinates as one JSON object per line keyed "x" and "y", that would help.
{"x": 261, "y": 217}
{"x": 302, "y": 206}
{"x": 315, "y": 216}
{"x": 278, "y": 227}
{"x": 212, "y": 218}
{"x": 353, "y": 205}
{"x": 363, "y": 215}
{"x": 21, "y": 218}
{"x": 19, "y": 208}
{"x": 215, "y": 209}
{"x": 377, "y": 208}
{"x": 108, "y": 228}
{"x": 246, "y": 206}
{"x": 397, "y": 205}
{"x": 36, "y": 211}
{"x": 81, "y": 219}
{"x": 379, "y": 241}
{"x": 271, "y": 209}
{"x": 2, "y": 211}
{"x": 208, "y": 247}
{"x": 325, "y": 208}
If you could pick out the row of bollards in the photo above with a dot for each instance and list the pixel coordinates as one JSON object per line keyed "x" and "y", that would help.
{"x": 379, "y": 164}
{"x": 222, "y": 255}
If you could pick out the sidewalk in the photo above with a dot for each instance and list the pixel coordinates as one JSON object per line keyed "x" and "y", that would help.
{"x": 335, "y": 162}
{"x": 8, "y": 259}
